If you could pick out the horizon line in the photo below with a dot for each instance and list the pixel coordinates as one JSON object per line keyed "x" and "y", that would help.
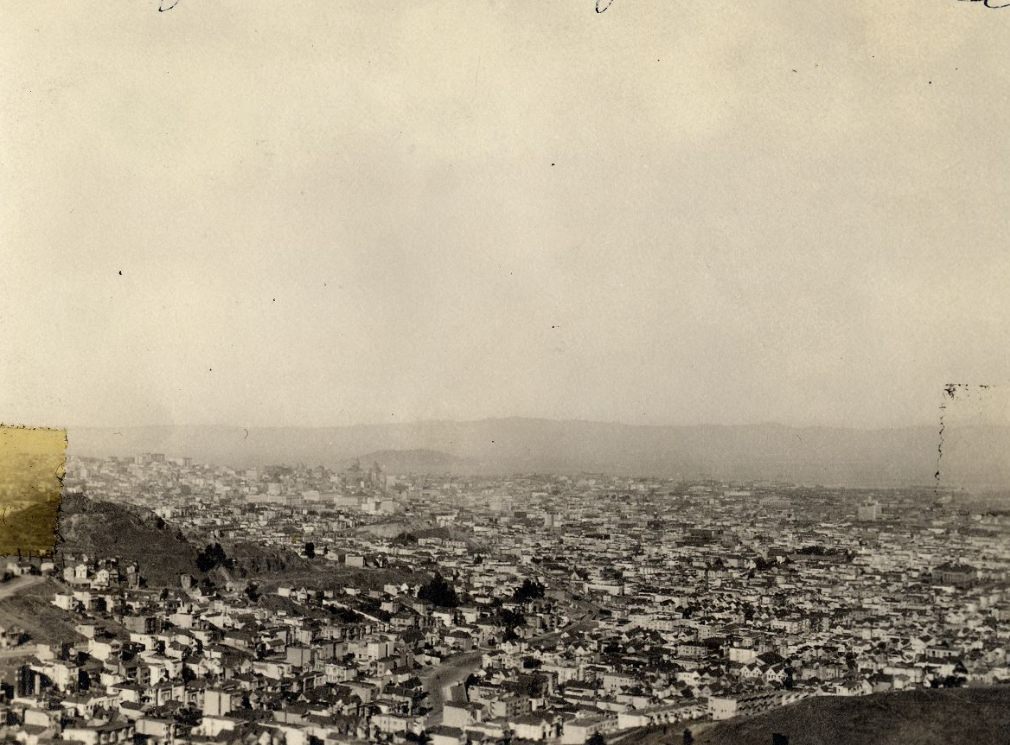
{"x": 481, "y": 420}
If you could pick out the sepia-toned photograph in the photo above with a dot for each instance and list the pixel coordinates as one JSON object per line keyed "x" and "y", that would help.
{"x": 587, "y": 372}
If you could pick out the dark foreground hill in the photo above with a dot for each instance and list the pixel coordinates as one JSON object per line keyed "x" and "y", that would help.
{"x": 160, "y": 549}
{"x": 979, "y": 716}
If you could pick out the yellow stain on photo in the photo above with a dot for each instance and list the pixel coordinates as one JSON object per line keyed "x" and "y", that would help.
{"x": 32, "y": 466}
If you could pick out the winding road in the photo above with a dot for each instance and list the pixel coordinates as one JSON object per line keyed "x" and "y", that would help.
{"x": 19, "y": 583}
{"x": 457, "y": 668}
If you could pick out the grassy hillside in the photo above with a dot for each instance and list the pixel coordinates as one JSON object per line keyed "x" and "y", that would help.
{"x": 30, "y": 530}
{"x": 31, "y": 609}
{"x": 255, "y": 560}
{"x": 979, "y": 716}
{"x": 104, "y": 529}
{"x": 163, "y": 553}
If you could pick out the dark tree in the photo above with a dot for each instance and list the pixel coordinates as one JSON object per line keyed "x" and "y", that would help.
{"x": 211, "y": 557}
{"x": 439, "y": 592}
{"x": 310, "y": 550}
{"x": 529, "y": 590}
{"x": 188, "y": 717}
{"x": 510, "y": 619}
{"x": 596, "y": 739}
{"x": 404, "y": 539}
{"x": 531, "y": 685}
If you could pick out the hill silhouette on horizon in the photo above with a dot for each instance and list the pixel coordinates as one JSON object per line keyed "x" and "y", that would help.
{"x": 418, "y": 460}
{"x": 971, "y": 456}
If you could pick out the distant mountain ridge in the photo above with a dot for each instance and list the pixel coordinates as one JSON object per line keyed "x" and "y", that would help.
{"x": 418, "y": 460}
{"x": 813, "y": 455}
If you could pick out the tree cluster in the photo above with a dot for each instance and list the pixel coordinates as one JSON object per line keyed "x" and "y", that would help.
{"x": 530, "y": 590}
{"x": 211, "y": 557}
{"x": 439, "y": 592}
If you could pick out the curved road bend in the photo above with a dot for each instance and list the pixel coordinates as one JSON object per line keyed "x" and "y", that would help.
{"x": 456, "y": 668}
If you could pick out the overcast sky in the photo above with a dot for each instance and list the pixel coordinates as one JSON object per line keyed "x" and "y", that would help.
{"x": 314, "y": 213}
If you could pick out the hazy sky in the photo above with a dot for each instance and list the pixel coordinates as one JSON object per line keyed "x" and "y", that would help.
{"x": 263, "y": 213}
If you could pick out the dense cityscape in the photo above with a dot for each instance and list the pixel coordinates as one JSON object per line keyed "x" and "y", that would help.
{"x": 347, "y": 605}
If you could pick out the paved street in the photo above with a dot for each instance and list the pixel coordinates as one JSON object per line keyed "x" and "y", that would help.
{"x": 18, "y": 584}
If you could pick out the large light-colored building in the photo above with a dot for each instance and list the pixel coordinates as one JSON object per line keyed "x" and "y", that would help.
{"x": 869, "y": 510}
